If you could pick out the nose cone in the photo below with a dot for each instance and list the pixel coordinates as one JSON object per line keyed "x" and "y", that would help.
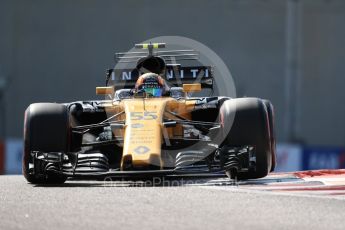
{"x": 143, "y": 133}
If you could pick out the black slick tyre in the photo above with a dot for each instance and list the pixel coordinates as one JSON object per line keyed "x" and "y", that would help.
{"x": 245, "y": 123}
{"x": 46, "y": 129}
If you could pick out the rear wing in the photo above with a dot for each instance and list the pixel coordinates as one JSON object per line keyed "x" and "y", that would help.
{"x": 166, "y": 55}
{"x": 175, "y": 75}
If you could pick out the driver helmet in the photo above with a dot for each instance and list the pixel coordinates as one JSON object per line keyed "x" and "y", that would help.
{"x": 152, "y": 84}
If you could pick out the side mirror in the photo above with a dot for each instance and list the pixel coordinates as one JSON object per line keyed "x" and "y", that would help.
{"x": 104, "y": 90}
{"x": 191, "y": 88}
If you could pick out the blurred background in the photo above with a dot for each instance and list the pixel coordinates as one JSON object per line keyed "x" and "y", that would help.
{"x": 291, "y": 52}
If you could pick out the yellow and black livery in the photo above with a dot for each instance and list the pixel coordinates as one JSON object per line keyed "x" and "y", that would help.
{"x": 132, "y": 133}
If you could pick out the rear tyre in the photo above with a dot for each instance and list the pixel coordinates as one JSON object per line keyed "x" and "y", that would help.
{"x": 245, "y": 122}
{"x": 46, "y": 129}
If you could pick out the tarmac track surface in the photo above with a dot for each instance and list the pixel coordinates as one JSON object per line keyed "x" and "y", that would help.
{"x": 193, "y": 204}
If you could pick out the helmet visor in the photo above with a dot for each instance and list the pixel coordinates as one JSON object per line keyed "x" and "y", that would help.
{"x": 155, "y": 92}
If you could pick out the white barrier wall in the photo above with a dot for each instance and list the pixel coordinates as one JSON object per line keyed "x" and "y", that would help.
{"x": 13, "y": 156}
{"x": 289, "y": 158}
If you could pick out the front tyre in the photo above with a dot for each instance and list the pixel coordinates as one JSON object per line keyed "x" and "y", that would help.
{"x": 245, "y": 123}
{"x": 46, "y": 129}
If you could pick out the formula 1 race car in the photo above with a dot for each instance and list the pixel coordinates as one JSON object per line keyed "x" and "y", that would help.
{"x": 149, "y": 125}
